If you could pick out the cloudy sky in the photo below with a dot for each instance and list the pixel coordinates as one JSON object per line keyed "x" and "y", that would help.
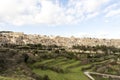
{"x": 80, "y": 18}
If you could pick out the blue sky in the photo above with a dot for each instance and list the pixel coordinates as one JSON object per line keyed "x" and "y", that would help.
{"x": 80, "y": 18}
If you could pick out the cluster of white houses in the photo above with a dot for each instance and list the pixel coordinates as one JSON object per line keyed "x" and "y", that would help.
{"x": 21, "y": 38}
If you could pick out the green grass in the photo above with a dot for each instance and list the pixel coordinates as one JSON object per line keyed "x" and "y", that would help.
{"x": 73, "y": 63}
{"x": 71, "y": 67}
{"x": 74, "y": 73}
{"x": 6, "y": 78}
{"x": 99, "y": 77}
{"x": 62, "y": 76}
{"x": 11, "y": 78}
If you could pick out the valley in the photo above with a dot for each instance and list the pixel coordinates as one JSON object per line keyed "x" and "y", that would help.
{"x": 40, "y": 62}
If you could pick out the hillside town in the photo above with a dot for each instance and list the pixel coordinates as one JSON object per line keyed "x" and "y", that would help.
{"x": 10, "y": 37}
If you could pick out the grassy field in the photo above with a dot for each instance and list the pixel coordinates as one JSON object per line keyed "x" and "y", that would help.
{"x": 73, "y": 66}
{"x": 6, "y": 78}
{"x": 9, "y": 78}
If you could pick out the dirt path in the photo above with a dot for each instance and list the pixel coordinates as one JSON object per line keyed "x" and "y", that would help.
{"x": 106, "y": 75}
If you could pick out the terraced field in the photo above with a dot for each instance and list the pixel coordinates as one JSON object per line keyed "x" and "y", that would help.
{"x": 71, "y": 67}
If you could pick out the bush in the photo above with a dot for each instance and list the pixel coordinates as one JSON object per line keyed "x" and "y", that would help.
{"x": 46, "y": 77}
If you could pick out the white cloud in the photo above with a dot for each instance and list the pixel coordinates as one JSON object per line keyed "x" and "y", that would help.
{"x": 92, "y": 15}
{"x": 111, "y": 7}
{"x": 113, "y": 13}
{"x": 93, "y": 5}
{"x": 112, "y": 10}
{"x": 107, "y": 21}
{"x": 21, "y": 12}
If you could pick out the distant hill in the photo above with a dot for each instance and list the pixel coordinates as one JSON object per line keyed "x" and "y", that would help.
{"x": 9, "y": 37}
